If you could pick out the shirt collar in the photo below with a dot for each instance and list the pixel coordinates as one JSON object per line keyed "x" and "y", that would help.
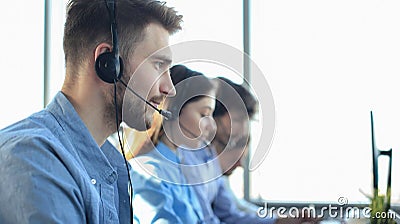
{"x": 93, "y": 159}
{"x": 164, "y": 150}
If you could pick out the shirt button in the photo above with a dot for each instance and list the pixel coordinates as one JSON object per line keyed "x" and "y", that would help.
{"x": 93, "y": 181}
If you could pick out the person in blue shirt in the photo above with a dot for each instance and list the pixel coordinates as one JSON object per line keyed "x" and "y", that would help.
{"x": 161, "y": 193}
{"x": 203, "y": 169}
{"x": 56, "y": 165}
{"x": 232, "y": 116}
{"x": 235, "y": 107}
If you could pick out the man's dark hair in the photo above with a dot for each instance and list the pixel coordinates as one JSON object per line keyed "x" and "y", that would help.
{"x": 88, "y": 24}
{"x": 250, "y": 102}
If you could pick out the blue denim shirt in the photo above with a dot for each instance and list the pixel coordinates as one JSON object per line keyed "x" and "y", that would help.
{"x": 52, "y": 171}
{"x": 216, "y": 201}
{"x": 159, "y": 191}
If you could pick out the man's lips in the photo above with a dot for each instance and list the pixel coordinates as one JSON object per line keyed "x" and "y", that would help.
{"x": 156, "y": 104}
{"x": 156, "y": 101}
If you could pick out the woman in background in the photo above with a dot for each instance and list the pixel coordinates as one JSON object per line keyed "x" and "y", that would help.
{"x": 160, "y": 189}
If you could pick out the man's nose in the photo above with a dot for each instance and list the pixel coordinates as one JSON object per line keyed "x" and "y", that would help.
{"x": 166, "y": 86}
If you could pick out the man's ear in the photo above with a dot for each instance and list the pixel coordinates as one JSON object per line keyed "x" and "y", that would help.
{"x": 106, "y": 66}
{"x": 101, "y": 48}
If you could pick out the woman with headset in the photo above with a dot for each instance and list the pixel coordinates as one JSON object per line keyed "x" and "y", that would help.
{"x": 161, "y": 192}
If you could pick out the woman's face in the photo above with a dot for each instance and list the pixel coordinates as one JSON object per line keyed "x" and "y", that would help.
{"x": 196, "y": 121}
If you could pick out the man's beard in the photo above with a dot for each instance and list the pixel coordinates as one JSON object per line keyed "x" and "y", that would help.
{"x": 130, "y": 109}
{"x": 135, "y": 113}
{"x": 109, "y": 112}
{"x": 223, "y": 136}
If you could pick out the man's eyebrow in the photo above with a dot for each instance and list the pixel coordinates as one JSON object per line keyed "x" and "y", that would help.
{"x": 164, "y": 58}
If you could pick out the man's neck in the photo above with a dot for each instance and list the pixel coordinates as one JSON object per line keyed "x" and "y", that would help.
{"x": 90, "y": 108}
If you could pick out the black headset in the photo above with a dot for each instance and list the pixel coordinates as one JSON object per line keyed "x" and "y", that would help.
{"x": 109, "y": 66}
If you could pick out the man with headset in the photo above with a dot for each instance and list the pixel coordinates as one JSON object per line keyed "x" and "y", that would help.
{"x": 56, "y": 165}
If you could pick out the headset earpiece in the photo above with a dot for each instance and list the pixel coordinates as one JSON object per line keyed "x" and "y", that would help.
{"x": 108, "y": 68}
{"x": 109, "y": 65}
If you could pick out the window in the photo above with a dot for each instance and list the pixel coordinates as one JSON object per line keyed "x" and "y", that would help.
{"x": 24, "y": 62}
{"x": 328, "y": 64}
{"x": 56, "y": 65}
{"x": 217, "y": 21}
{"x": 21, "y": 60}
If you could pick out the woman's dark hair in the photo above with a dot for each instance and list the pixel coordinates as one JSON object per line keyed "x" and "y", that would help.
{"x": 250, "y": 102}
{"x": 190, "y": 86}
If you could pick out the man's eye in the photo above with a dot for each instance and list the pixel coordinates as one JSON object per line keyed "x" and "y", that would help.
{"x": 159, "y": 64}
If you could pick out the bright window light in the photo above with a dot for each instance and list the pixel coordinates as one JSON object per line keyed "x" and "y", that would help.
{"x": 328, "y": 63}
{"x": 22, "y": 60}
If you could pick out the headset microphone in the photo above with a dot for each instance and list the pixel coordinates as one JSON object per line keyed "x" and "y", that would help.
{"x": 165, "y": 113}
